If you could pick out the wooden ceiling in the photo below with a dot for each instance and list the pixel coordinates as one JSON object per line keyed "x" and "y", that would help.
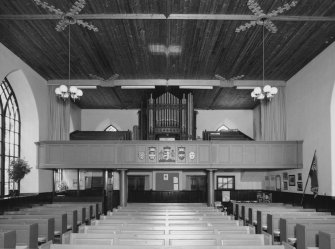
{"x": 209, "y": 45}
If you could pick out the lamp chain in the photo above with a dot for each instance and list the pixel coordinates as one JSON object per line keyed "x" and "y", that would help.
{"x": 263, "y": 55}
{"x": 69, "y": 54}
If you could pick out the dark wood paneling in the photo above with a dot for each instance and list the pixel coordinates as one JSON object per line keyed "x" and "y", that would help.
{"x": 27, "y": 200}
{"x": 209, "y": 47}
{"x": 167, "y": 196}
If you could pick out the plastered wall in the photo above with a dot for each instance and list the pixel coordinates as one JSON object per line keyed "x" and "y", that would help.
{"x": 309, "y": 103}
{"x": 32, "y": 95}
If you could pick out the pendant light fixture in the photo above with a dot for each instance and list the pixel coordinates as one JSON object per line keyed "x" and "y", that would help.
{"x": 69, "y": 92}
{"x": 267, "y": 92}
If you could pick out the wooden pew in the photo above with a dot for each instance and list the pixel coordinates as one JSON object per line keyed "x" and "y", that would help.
{"x": 76, "y": 216}
{"x": 158, "y": 213}
{"x": 64, "y": 246}
{"x": 251, "y": 210}
{"x": 26, "y": 234}
{"x": 140, "y": 229}
{"x": 7, "y": 239}
{"x": 85, "y": 211}
{"x": 262, "y": 215}
{"x": 307, "y": 234}
{"x": 287, "y": 226}
{"x": 326, "y": 240}
{"x": 95, "y": 208}
{"x": 273, "y": 227}
{"x": 71, "y": 215}
{"x": 60, "y": 220}
{"x": 166, "y": 217}
{"x": 166, "y": 223}
{"x": 46, "y": 227}
{"x": 167, "y": 240}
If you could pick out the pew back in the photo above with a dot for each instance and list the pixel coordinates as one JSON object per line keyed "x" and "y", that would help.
{"x": 26, "y": 234}
{"x": 287, "y": 226}
{"x": 308, "y": 234}
{"x": 46, "y": 227}
{"x": 7, "y": 239}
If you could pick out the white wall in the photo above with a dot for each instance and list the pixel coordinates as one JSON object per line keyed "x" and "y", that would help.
{"x": 32, "y": 95}
{"x": 308, "y": 102}
{"x": 98, "y": 120}
{"x": 211, "y": 120}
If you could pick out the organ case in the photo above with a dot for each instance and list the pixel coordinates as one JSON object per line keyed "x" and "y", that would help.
{"x": 168, "y": 116}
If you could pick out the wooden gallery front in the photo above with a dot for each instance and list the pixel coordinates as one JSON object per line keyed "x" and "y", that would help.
{"x": 165, "y": 162}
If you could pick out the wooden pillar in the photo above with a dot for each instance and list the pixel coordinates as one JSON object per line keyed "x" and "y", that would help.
{"x": 78, "y": 180}
{"x": 123, "y": 188}
{"x": 210, "y": 187}
{"x": 105, "y": 201}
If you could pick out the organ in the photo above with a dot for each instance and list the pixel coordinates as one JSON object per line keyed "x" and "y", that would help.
{"x": 168, "y": 116}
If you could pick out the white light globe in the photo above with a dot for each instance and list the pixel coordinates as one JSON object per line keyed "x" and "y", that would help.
{"x": 257, "y": 90}
{"x": 274, "y": 90}
{"x": 65, "y": 95}
{"x": 253, "y": 94}
{"x": 63, "y": 88}
{"x": 267, "y": 88}
{"x": 79, "y": 93}
{"x": 58, "y": 91}
{"x": 261, "y": 96}
{"x": 73, "y": 89}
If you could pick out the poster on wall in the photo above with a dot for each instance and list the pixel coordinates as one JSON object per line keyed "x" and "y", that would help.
{"x": 272, "y": 182}
{"x": 166, "y": 154}
{"x": 267, "y": 183}
{"x": 291, "y": 180}
{"x": 225, "y": 196}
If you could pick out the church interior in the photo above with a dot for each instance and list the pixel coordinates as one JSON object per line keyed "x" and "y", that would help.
{"x": 150, "y": 108}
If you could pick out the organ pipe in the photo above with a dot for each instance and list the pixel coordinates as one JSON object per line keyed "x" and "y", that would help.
{"x": 168, "y": 114}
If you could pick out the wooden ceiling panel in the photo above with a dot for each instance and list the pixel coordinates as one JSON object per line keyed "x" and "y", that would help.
{"x": 208, "y": 47}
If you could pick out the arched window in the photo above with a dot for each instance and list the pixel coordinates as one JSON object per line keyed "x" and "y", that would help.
{"x": 10, "y": 133}
{"x": 223, "y": 128}
{"x": 110, "y": 128}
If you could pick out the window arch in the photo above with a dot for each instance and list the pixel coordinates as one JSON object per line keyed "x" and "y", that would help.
{"x": 223, "y": 128}
{"x": 111, "y": 128}
{"x": 10, "y": 135}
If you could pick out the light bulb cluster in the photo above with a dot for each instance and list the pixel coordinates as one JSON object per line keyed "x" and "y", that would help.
{"x": 266, "y": 93}
{"x": 65, "y": 92}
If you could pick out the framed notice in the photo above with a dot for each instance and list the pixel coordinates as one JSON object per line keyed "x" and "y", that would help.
{"x": 278, "y": 182}
{"x": 299, "y": 186}
{"x": 291, "y": 180}
{"x": 225, "y": 196}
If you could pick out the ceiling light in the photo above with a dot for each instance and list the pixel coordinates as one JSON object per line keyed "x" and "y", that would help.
{"x": 137, "y": 87}
{"x": 267, "y": 92}
{"x": 63, "y": 91}
{"x": 196, "y": 87}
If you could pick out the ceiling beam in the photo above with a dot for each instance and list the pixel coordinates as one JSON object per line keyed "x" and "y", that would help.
{"x": 223, "y": 17}
{"x": 170, "y": 82}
